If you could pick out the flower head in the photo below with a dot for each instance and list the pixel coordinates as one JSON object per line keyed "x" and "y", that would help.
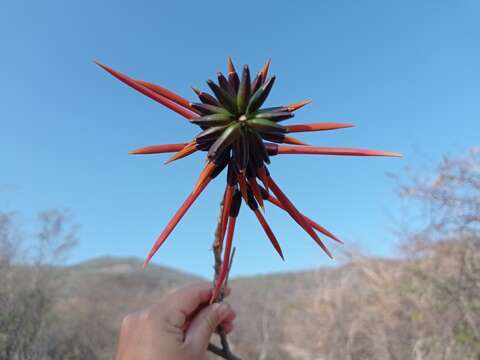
{"x": 240, "y": 135}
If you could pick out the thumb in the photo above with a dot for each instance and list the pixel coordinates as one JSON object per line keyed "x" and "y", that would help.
{"x": 204, "y": 324}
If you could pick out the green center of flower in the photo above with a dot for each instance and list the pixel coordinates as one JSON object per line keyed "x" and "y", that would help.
{"x": 243, "y": 120}
{"x": 234, "y": 124}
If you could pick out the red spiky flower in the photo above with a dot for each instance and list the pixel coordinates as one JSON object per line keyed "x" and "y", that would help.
{"x": 240, "y": 135}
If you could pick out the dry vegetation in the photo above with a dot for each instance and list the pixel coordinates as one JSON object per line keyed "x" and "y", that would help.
{"x": 424, "y": 306}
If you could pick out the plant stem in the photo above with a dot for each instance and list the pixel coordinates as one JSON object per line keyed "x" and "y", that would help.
{"x": 225, "y": 351}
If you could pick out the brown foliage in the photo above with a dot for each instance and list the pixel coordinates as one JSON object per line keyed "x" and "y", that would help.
{"x": 30, "y": 327}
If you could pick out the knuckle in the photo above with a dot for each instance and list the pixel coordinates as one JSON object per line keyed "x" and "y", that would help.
{"x": 147, "y": 314}
{"x": 153, "y": 311}
{"x": 212, "y": 319}
{"x": 176, "y": 318}
{"x": 209, "y": 323}
{"x": 127, "y": 321}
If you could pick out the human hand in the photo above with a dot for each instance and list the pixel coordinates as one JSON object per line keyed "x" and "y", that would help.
{"x": 179, "y": 327}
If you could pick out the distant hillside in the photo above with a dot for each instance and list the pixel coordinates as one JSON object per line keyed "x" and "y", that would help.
{"x": 367, "y": 309}
{"x": 131, "y": 267}
{"x": 271, "y": 308}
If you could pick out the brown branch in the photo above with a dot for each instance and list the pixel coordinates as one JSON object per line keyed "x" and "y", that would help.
{"x": 217, "y": 350}
{"x": 225, "y": 351}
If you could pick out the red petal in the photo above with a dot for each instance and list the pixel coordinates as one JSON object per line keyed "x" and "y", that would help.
{"x": 205, "y": 174}
{"x": 298, "y": 105}
{"x": 264, "y": 70}
{"x": 175, "y": 219}
{"x": 187, "y": 150}
{"x": 231, "y": 67}
{"x": 296, "y": 215}
{"x": 316, "y": 127}
{"x": 256, "y": 192}
{"x": 227, "y": 204}
{"x": 242, "y": 184}
{"x": 170, "y": 95}
{"x": 321, "y": 229}
{"x": 158, "y": 149}
{"x": 292, "y": 140}
{"x": 274, "y": 149}
{"x": 262, "y": 174}
{"x": 150, "y": 93}
{"x": 312, "y": 223}
{"x": 269, "y": 233}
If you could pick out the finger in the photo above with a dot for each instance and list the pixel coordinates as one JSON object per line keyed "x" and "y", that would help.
{"x": 177, "y": 307}
{"x": 228, "y": 323}
{"x": 203, "y": 326}
{"x": 231, "y": 316}
{"x": 184, "y": 323}
{"x": 228, "y": 327}
{"x": 188, "y": 299}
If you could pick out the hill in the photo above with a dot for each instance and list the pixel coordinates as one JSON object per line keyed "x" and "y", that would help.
{"x": 367, "y": 309}
{"x": 280, "y": 316}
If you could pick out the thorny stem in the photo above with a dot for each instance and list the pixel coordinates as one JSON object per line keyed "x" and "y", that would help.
{"x": 225, "y": 351}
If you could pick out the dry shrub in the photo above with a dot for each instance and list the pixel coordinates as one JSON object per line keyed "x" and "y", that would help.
{"x": 30, "y": 325}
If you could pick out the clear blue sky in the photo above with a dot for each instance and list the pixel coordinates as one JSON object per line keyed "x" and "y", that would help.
{"x": 407, "y": 74}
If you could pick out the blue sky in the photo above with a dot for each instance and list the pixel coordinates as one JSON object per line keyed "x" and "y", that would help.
{"x": 407, "y": 74}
